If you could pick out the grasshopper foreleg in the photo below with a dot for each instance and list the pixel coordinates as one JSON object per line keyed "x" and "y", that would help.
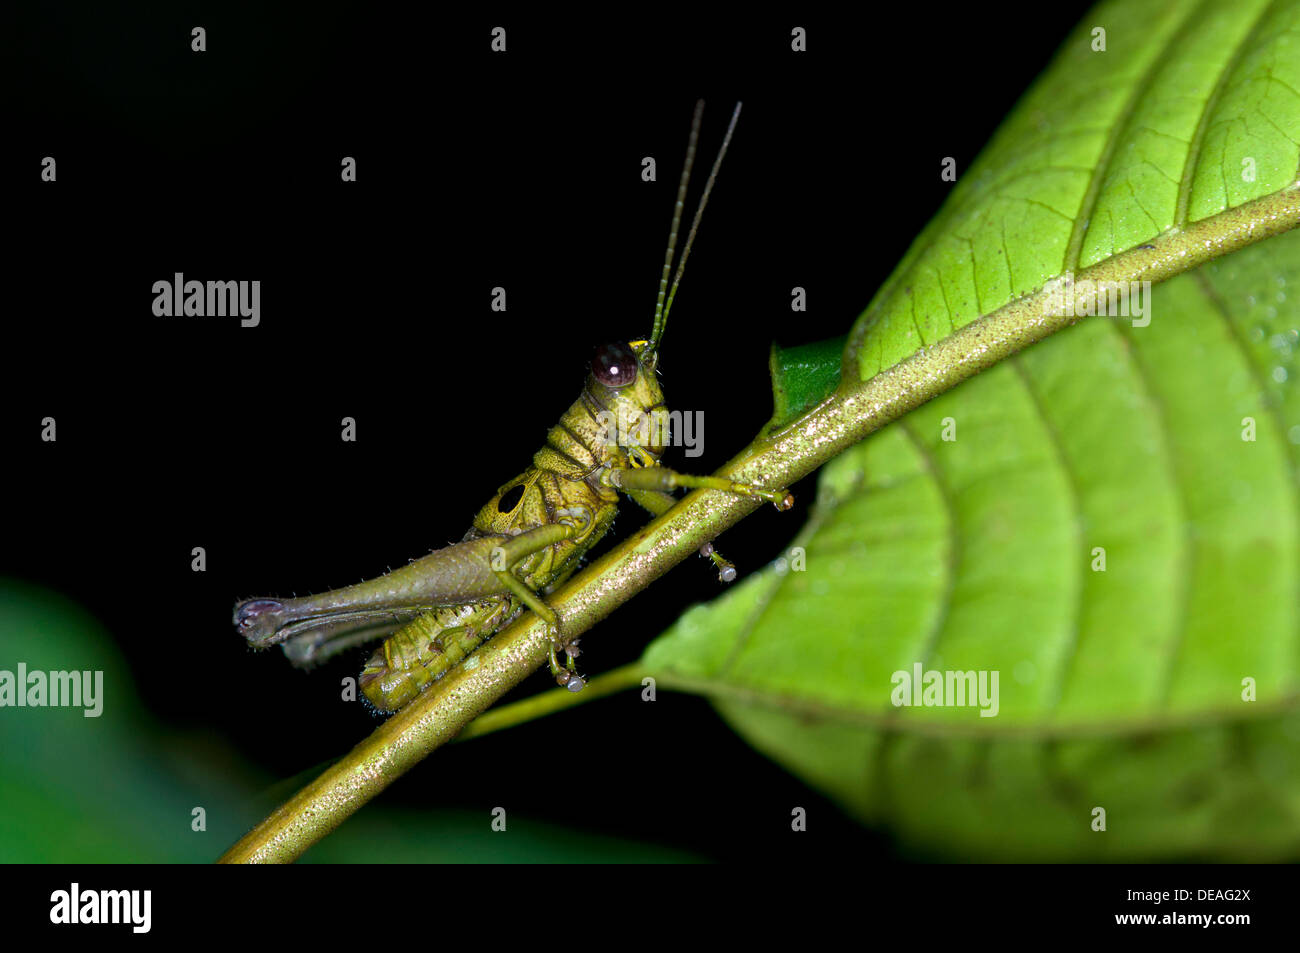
{"x": 649, "y": 486}
{"x": 663, "y": 479}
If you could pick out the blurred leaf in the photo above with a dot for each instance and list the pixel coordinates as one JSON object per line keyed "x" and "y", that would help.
{"x": 119, "y": 788}
{"x": 73, "y": 788}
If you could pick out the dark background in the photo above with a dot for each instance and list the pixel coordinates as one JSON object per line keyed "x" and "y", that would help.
{"x": 475, "y": 169}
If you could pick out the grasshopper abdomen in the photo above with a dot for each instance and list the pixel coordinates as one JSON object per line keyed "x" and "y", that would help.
{"x": 428, "y": 647}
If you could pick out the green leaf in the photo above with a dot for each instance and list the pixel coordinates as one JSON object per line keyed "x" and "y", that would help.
{"x": 1108, "y": 150}
{"x": 1120, "y": 689}
{"x": 1109, "y": 520}
{"x": 802, "y": 377}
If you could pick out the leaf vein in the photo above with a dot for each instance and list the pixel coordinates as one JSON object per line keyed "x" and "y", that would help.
{"x": 1116, "y": 133}
{"x": 1068, "y": 651}
{"x": 1203, "y": 124}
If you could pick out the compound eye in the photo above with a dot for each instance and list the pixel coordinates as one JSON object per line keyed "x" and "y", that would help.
{"x": 615, "y": 365}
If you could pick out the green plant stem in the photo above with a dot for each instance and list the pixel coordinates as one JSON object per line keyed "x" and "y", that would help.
{"x": 856, "y": 410}
{"x": 553, "y": 700}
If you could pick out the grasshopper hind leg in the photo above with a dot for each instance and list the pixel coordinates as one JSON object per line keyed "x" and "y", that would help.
{"x": 662, "y": 479}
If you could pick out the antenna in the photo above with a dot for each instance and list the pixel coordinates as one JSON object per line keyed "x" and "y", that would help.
{"x": 662, "y": 309}
{"x": 660, "y": 317}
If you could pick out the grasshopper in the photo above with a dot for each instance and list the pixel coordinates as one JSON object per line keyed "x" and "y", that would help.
{"x": 526, "y": 540}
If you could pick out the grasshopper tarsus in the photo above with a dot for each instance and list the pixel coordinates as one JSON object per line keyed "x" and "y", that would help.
{"x": 566, "y": 675}
{"x": 726, "y": 568}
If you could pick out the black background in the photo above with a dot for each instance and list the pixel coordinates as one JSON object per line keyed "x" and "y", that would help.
{"x": 475, "y": 170}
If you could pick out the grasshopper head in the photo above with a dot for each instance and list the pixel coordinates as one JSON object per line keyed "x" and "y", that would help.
{"x": 624, "y": 383}
{"x": 624, "y": 374}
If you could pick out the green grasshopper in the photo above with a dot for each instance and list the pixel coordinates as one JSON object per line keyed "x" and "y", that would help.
{"x": 529, "y": 538}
